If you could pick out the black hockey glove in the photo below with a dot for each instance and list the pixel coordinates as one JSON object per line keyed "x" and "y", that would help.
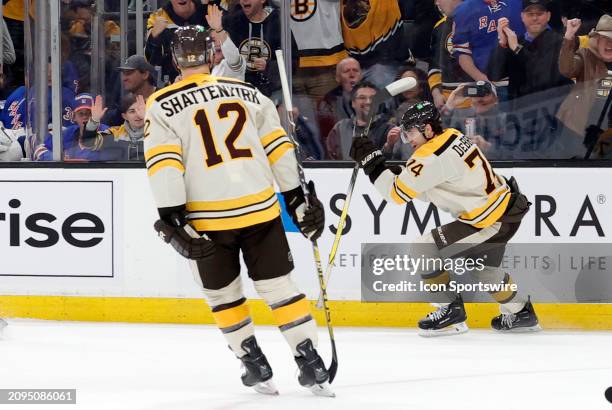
{"x": 183, "y": 242}
{"x": 370, "y": 158}
{"x": 311, "y": 220}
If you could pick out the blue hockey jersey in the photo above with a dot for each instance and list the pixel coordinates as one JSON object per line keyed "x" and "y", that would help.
{"x": 14, "y": 113}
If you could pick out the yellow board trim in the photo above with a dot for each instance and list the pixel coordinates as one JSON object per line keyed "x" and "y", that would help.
{"x": 279, "y": 152}
{"x": 222, "y": 224}
{"x": 166, "y": 163}
{"x": 290, "y": 313}
{"x": 163, "y": 149}
{"x": 232, "y": 316}
{"x": 578, "y": 316}
{"x": 195, "y": 206}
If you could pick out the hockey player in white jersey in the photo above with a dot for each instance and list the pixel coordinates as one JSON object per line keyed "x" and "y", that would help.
{"x": 214, "y": 148}
{"x": 448, "y": 170}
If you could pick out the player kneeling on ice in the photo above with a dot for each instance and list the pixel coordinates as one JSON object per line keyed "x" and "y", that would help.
{"x": 214, "y": 148}
{"x": 451, "y": 172}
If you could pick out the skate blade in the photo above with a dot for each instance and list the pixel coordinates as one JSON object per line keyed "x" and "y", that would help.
{"x": 266, "y": 387}
{"x": 524, "y": 329}
{"x": 451, "y": 330}
{"x": 322, "y": 390}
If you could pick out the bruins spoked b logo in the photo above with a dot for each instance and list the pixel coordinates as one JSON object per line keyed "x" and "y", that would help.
{"x": 302, "y": 10}
{"x": 253, "y": 48}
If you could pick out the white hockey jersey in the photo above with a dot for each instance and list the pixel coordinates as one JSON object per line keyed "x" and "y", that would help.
{"x": 453, "y": 174}
{"x": 216, "y": 145}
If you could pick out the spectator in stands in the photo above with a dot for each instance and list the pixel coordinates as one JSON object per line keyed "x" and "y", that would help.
{"x": 445, "y": 73}
{"x": 318, "y": 34}
{"x": 227, "y": 61}
{"x": 10, "y": 148}
{"x": 255, "y": 29}
{"x": 138, "y": 78}
{"x": 161, "y": 26}
{"x": 71, "y": 135}
{"x": 119, "y": 143}
{"x": 13, "y": 16}
{"x": 476, "y": 32}
{"x": 341, "y": 136}
{"x": 373, "y": 35}
{"x": 530, "y": 61}
{"x": 487, "y": 120}
{"x": 592, "y": 69}
{"x": 395, "y": 147}
{"x": 14, "y": 113}
{"x": 336, "y": 105}
{"x": 8, "y": 58}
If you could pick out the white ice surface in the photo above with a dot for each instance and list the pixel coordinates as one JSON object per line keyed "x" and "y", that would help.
{"x": 181, "y": 367}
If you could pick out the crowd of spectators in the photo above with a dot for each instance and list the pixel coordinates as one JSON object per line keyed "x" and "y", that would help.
{"x": 524, "y": 79}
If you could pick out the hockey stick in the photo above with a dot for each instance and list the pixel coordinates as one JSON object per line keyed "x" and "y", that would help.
{"x": 389, "y": 91}
{"x": 333, "y": 367}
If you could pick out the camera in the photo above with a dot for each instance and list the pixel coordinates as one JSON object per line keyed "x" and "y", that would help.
{"x": 478, "y": 89}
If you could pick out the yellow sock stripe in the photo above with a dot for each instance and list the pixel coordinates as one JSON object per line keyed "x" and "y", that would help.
{"x": 232, "y": 316}
{"x": 292, "y": 312}
{"x": 442, "y": 279}
{"x": 170, "y": 162}
{"x": 504, "y": 296}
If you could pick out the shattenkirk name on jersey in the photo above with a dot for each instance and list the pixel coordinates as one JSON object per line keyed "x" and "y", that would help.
{"x": 185, "y": 98}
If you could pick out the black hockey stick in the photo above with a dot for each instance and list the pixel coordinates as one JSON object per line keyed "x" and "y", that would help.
{"x": 381, "y": 96}
{"x": 333, "y": 367}
{"x": 591, "y": 147}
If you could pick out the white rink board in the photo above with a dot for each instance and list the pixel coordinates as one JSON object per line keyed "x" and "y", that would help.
{"x": 143, "y": 266}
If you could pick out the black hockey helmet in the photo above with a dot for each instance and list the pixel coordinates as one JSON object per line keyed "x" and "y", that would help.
{"x": 192, "y": 46}
{"x": 420, "y": 114}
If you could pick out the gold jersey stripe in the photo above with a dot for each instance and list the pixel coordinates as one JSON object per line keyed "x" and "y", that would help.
{"x": 163, "y": 149}
{"x": 236, "y": 222}
{"x": 232, "y": 316}
{"x": 290, "y": 313}
{"x": 272, "y": 136}
{"x": 279, "y": 151}
{"x": 404, "y": 188}
{"x": 226, "y": 204}
{"x": 495, "y": 215}
{"x": 323, "y": 61}
{"x": 165, "y": 163}
{"x": 475, "y": 213}
{"x": 433, "y": 144}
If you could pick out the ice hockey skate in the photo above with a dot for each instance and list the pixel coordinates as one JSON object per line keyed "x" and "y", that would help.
{"x": 257, "y": 372}
{"x": 313, "y": 374}
{"x": 445, "y": 321}
{"x": 525, "y": 320}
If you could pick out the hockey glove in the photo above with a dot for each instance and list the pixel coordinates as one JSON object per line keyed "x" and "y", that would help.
{"x": 311, "y": 220}
{"x": 370, "y": 158}
{"x": 183, "y": 239}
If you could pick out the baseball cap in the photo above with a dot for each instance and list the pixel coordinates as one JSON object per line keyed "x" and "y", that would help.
{"x": 82, "y": 101}
{"x": 137, "y": 62}
{"x": 542, "y": 3}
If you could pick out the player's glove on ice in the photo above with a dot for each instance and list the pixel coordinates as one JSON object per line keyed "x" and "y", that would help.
{"x": 369, "y": 157}
{"x": 183, "y": 242}
{"x": 311, "y": 220}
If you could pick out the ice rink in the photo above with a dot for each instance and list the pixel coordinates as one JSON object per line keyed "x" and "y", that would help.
{"x": 184, "y": 367}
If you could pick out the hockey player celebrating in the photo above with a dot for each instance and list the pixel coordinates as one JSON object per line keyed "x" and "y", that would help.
{"x": 214, "y": 148}
{"x": 448, "y": 170}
